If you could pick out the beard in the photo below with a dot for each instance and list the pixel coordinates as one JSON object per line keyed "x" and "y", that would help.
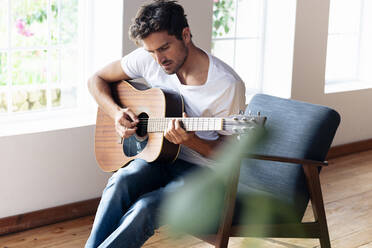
{"x": 178, "y": 64}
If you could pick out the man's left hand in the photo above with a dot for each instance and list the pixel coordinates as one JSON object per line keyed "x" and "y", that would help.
{"x": 176, "y": 134}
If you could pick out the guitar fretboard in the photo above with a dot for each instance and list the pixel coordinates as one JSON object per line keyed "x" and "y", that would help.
{"x": 189, "y": 124}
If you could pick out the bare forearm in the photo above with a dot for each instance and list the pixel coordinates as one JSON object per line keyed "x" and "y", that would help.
{"x": 98, "y": 86}
{"x": 101, "y": 92}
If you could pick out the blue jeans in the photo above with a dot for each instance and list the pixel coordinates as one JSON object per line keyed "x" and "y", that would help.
{"x": 128, "y": 212}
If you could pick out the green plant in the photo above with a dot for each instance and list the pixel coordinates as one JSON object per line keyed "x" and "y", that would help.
{"x": 222, "y": 17}
{"x": 203, "y": 194}
{"x": 30, "y": 67}
{"x": 3, "y": 102}
{"x": 40, "y": 15}
{"x": 56, "y": 97}
{"x": 28, "y": 21}
{"x": 29, "y": 100}
{"x": 3, "y": 68}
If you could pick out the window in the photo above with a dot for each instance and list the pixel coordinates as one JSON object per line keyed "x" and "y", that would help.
{"x": 349, "y": 53}
{"x": 48, "y": 49}
{"x": 238, "y": 37}
{"x": 40, "y": 59}
{"x": 256, "y": 37}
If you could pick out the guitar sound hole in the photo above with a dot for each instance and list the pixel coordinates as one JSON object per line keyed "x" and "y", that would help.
{"x": 137, "y": 142}
{"x": 142, "y": 125}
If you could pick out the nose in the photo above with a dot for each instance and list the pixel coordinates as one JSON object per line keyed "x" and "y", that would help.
{"x": 160, "y": 58}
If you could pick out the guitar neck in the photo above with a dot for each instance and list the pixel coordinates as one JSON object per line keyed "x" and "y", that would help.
{"x": 189, "y": 124}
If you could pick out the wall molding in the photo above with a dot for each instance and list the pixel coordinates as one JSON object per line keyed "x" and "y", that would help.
{"x": 350, "y": 148}
{"x": 75, "y": 210}
{"x": 48, "y": 216}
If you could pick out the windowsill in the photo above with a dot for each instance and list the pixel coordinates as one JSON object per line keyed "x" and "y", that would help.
{"x": 36, "y": 122}
{"x": 336, "y": 87}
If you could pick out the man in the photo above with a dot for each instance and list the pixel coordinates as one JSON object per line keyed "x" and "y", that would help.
{"x": 167, "y": 58}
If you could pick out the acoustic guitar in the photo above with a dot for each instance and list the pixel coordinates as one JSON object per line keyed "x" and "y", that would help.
{"x": 155, "y": 108}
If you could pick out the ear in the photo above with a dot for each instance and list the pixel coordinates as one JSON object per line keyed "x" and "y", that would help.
{"x": 186, "y": 35}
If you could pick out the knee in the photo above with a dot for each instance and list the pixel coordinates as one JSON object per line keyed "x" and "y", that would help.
{"x": 118, "y": 180}
{"x": 147, "y": 204}
{"x": 147, "y": 212}
{"x": 123, "y": 180}
{"x": 147, "y": 207}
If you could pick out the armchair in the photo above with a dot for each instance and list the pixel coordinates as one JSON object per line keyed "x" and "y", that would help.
{"x": 283, "y": 172}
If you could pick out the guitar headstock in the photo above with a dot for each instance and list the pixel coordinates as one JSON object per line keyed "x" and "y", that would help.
{"x": 243, "y": 123}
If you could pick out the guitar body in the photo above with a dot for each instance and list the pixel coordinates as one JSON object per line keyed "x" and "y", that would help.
{"x": 153, "y": 103}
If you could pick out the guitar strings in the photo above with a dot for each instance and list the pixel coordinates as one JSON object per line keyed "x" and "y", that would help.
{"x": 162, "y": 122}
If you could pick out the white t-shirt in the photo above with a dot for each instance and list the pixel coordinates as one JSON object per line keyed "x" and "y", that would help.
{"x": 222, "y": 95}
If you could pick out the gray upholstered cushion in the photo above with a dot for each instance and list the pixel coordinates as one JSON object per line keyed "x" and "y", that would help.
{"x": 295, "y": 129}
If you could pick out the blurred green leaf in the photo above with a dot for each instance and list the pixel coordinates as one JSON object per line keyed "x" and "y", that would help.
{"x": 196, "y": 208}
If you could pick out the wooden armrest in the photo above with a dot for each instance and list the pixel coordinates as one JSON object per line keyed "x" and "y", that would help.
{"x": 288, "y": 160}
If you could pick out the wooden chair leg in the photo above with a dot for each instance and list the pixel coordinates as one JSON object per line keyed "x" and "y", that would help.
{"x": 312, "y": 178}
{"x": 325, "y": 242}
{"x": 222, "y": 237}
{"x": 222, "y": 242}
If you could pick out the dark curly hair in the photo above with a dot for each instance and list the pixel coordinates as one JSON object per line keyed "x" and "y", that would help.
{"x": 159, "y": 15}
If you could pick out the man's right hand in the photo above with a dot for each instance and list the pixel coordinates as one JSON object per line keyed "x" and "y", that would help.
{"x": 125, "y": 122}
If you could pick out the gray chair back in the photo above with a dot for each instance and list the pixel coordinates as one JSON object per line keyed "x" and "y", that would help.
{"x": 297, "y": 130}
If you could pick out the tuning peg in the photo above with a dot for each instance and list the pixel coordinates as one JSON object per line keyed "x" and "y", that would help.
{"x": 241, "y": 112}
{"x": 244, "y": 119}
{"x": 235, "y": 118}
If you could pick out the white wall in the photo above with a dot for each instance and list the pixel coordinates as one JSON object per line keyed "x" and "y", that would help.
{"x": 48, "y": 169}
{"x": 309, "y": 74}
{"x": 278, "y": 55}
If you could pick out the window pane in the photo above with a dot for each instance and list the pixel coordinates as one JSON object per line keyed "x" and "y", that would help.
{"x": 29, "y": 67}
{"x": 249, "y": 18}
{"x": 366, "y": 44}
{"x": 29, "y": 23}
{"x": 3, "y": 23}
{"x": 29, "y": 100}
{"x": 69, "y": 21}
{"x": 54, "y": 33}
{"x": 246, "y": 62}
{"x": 223, "y": 18}
{"x": 69, "y": 66}
{"x": 224, "y": 50}
{"x": 54, "y": 65}
{"x": 3, "y": 68}
{"x": 3, "y": 102}
{"x": 56, "y": 97}
{"x": 64, "y": 98}
{"x": 342, "y": 57}
{"x": 344, "y": 16}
